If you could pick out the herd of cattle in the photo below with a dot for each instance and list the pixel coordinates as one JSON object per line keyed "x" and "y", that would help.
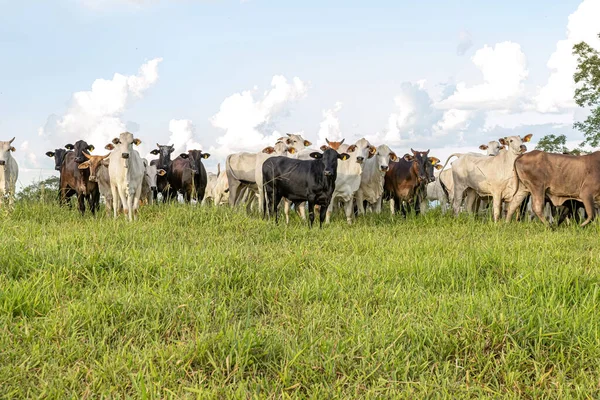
{"x": 356, "y": 177}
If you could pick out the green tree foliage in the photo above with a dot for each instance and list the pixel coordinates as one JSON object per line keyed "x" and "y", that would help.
{"x": 45, "y": 191}
{"x": 553, "y": 144}
{"x": 587, "y": 93}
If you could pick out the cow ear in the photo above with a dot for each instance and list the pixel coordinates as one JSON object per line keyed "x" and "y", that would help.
{"x": 12, "y": 149}
{"x": 343, "y": 156}
{"x": 434, "y": 160}
{"x": 155, "y": 152}
{"x": 351, "y": 148}
{"x": 69, "y": 146}
{"x": 161, "y": 172}
{"x": 105, "y": 162}
{"x": 502, "y": 141}
{"x": 137, "y": 141}
{"x": 372, "y": 151}
{"x": 109, "y": 146}
{"x": 288, "y": 141}
{"x": 91, "y": 147}
{"x": 527, "y": 138}
{"x": 291, "y": 150}
{"x": 268, "y": 150}
{"x": 116, "y": 141}
{"x": 50, "y": 153}
{"x": 393, "y": 157}
{"x": 316, "y": 155}
{"x": 323, "y": 148}
{"x": 408, "y": 157}
{"x": 483, "y": 147}
{"x": 307, "y": 143}
{"x": 184, "y": 155}
{"x": 438, "y": 166}
{"x": 205, "y": 155}
{"x": 84, "y": 165}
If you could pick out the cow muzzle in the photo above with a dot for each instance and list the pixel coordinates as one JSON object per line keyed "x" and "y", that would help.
{"x": 125, "y": 155}
{"x": 384, "y": 168}
{"x": 328, "y": 173}
{"x": 523, "y": 148}
{"x": 2, "y": 162}
{"x": 360, "y": 160}
{"x": 153, "y": 188}
{"x": 92, "y": 178}
{"x": 57, "y": 167}
{"x": 79, "y": 160}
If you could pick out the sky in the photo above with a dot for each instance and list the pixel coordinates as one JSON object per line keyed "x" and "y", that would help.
{"x": 229, "y": 75}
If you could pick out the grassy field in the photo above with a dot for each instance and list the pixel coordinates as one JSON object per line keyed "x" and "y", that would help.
{"x": 212, "y": 303}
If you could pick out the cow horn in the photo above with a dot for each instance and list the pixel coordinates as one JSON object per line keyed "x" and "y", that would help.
{"x": 11, "y": 140}
{"x": 342, "y": 142}
{"x": 414, "y": 152}
{"x": 327, "y": 140}
{"x": 86, "y": 155}
{"x": 289, "y": 134}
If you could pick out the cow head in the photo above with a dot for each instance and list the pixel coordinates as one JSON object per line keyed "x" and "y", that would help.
{"x": 420, "y": 162}
{"x": 515, "y": 143}
{"x": 195, "y": 157}
{"x": 59, "y": 157}
{"x": 151, "y": 173}
{"x": 5, "y": 149}
{"x": 124, "y": 143}
{"x": 431, "y": 164}
{"x": 295, "y": 141}
{"x": 329, "y": 158}
{"x": 332, "y": 145}
{"x": 383, "y": 156}
{"x": 492, "y": 148}
{"x": 164, "y": 154}
{"x": 94, "y": 163}
{"x": 80, "y": 148}
{"x": 280, "y": 149}
{"x": 360, "y": 151}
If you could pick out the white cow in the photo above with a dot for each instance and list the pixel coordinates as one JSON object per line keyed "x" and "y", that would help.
{"x": 489, "y": 176}
{"x": 9, "y": 172}
{"x": 126, "y": 170}
{"x": 348, "y": 177}
{"x": 211, "y": 181}
{"x": 219, "y": 192}
{"x": 152, "y": 172}
{"x": 444, "y": 177}
{"x": 373, "y": 177}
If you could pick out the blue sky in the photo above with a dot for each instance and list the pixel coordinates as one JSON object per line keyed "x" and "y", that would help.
{"x": 392, "y": 66}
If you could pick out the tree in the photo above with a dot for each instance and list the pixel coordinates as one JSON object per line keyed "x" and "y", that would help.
{"x": 45, "y": 191}
{"x": 553, "y": 144}
{"x": 587, "y": 93}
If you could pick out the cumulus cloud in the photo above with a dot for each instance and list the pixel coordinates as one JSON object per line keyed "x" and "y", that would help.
{"x": 95, "y": 115}
{"x": 452, "y": 121}
{"x": 558, "y": 92}
{"x": 504, "y": 69}
{"x": 465, "y": 41}
{"x": 249, "y": 122}
{"x": 183, "y": 135}
{"x": 329, "y": 128}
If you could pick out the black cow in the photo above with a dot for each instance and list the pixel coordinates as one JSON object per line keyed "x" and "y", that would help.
{"x": 59, "y": 157}
{"x": 73, "y": 178}
{"x": 301, "y": 180}
{"x": 164, "y": 162}
{"x": 200, "y": 177}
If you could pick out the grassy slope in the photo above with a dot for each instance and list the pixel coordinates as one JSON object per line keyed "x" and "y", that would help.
{"x": 210, "y": 302}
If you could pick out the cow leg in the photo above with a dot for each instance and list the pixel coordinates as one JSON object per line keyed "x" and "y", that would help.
{"x": 349, "y": 208}
{"x": 301, "y": 210}
{"x": 537, "y": 204}
{"x": 286, "y": 210}
{"x": 515, "y": 204}
{"x": 322, "y": 215}
{"x": 359, "y": 203}
{"x": 81, "y": 203}
{"x": 392, "y": 206}
{"x": 377, "y": 206}
{"x": 276, "y": 202}
{"x": 470, "y": 201}
{"x": 588, "y": 203}
{"x": 311, "y": 212}
{"x": 459, "y": 190}
{"x": 329, "y": 211}
{"x": 497, "y": 206}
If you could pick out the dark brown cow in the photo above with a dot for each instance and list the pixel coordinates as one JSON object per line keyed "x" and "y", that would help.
{"x": 405, "y": 179}
{"x": 73, "y": 178}
{"x": 558, "y": 177}
{"x": 59, "y": 158}
{"x": 181, "y": 176}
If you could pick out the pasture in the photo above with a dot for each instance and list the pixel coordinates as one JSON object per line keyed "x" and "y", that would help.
{"x": 194, "y": 302}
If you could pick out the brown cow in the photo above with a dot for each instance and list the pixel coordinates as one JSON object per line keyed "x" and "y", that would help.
{"x": 73, "y": 178}
{"x": 332, "y": 145}
{"x": 404, "y": 179}
{"x": 98, "y": 172}
{"x": 558, "y": 177}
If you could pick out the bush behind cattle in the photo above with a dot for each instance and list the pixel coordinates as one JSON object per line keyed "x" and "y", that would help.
{"x": 212, "y": 303}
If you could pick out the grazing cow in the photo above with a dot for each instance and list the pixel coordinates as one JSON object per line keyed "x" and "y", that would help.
{"x": 404, "y": 178}
{"x": 59, "y": 157}
{"x": 373, "y": 177}
{"x": 560, "y": 178}
{"x": 489, "y": 176}
{"x": 126, "y": 171}
{"x": 164, "y": 162}
{"x": 348, "y": 178}
{"x": 211, "y": 182}
{"x": 221, "y": 190}
{"x": 9, "y": 171}
{"x": 73, "y": 178}
{"x": 302, "y": 180}
{"x": 98, "y": 172}
{"x": 151, "y": 177}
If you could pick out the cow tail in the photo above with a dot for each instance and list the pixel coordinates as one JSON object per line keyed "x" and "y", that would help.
{"x": 516, "y": 176}
{"x": 444, "y": 188}
{"x": 218, "y": 169}
{"x": 228, "y": 169}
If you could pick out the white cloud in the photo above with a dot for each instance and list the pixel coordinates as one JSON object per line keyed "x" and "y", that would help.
{"x": 95, "y": 115}
{"x": 557, "y": 94}
{"x": 329, "y": 128}
{"x": 248, "y": 122}
{"x": 504, "y": 69}
{"x": 183, "y": 135}
{"x": 465, "y": 41}
{"x": 453, "y": 121}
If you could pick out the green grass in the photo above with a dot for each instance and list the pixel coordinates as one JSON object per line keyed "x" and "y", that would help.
{"x": 212, "y": 303}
